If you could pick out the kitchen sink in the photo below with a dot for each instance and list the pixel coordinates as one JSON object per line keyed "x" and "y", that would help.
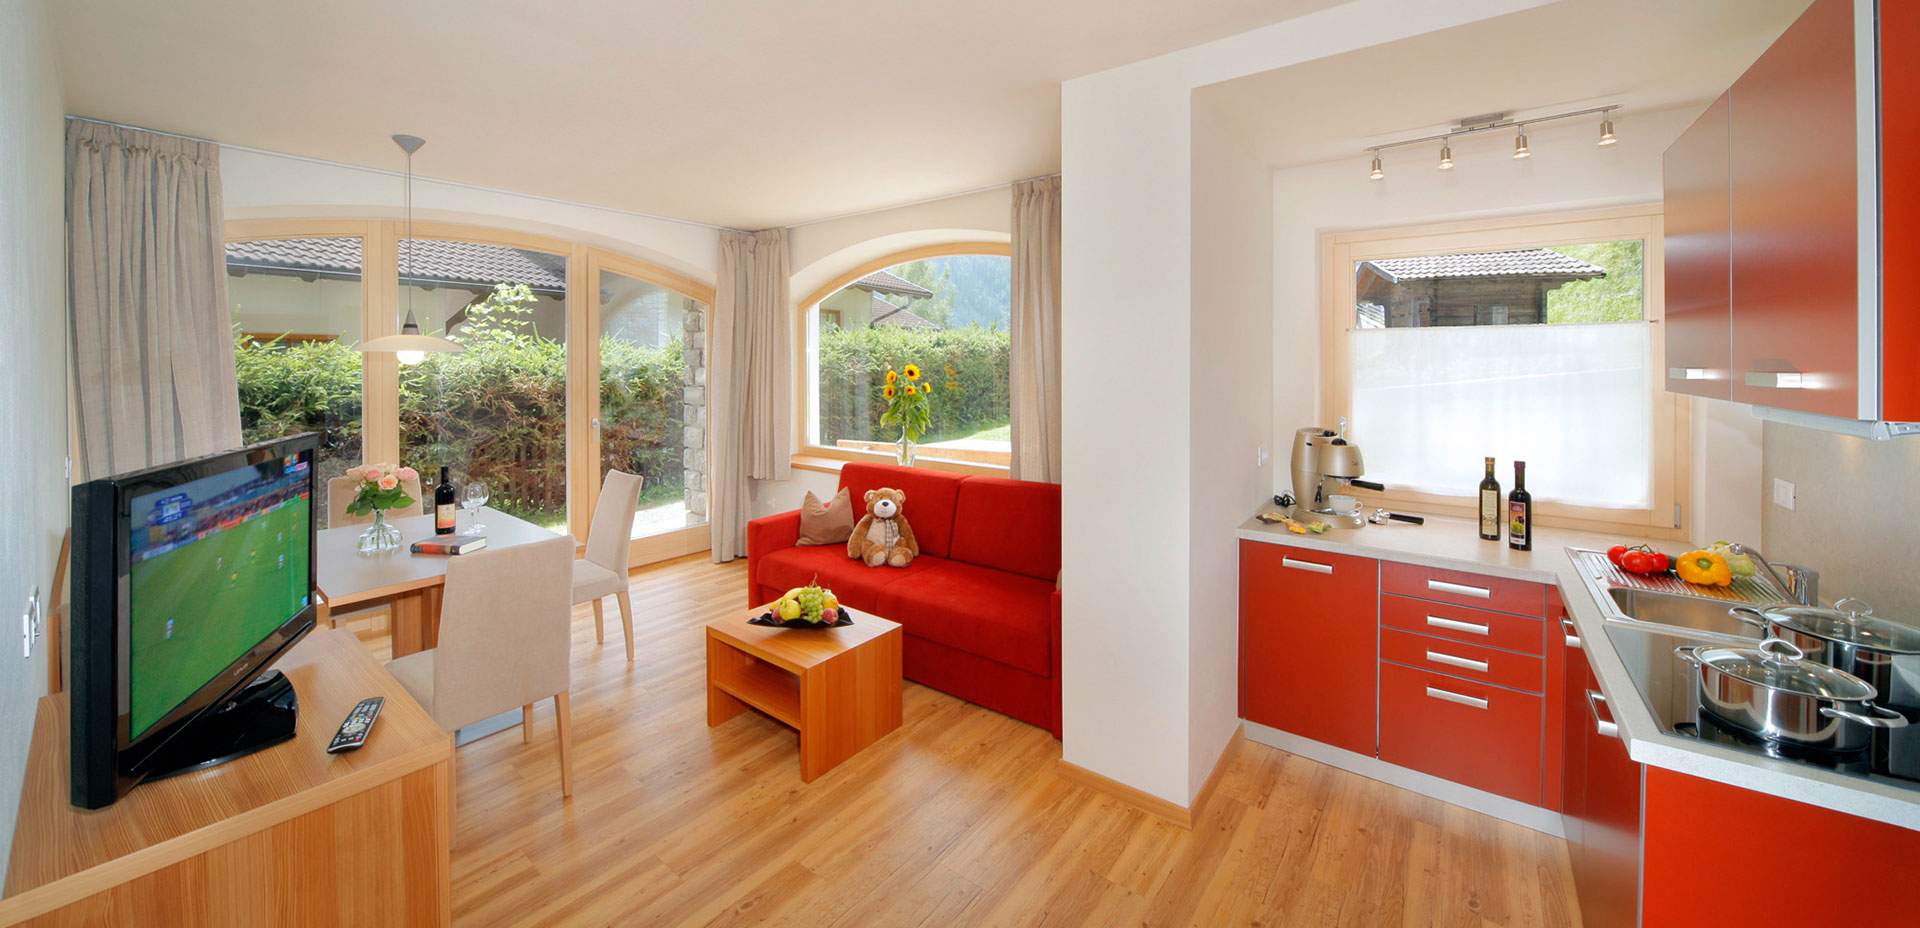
{"x": 1680, "y": 615}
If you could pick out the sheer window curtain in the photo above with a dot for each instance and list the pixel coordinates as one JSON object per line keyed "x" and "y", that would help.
{"x": 147, "y": 290}
{"x": 1035, "y": 387}
{"x": 1573, "y": 401}
{"x": 750, "y": 381}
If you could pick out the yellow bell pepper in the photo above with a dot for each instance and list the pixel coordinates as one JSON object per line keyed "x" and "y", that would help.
{"x": 1707, "y": 568}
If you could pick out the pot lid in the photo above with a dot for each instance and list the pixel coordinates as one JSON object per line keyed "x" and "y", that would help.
{"x": 1850, "y": 621}
{"x": 1777, "y": 665}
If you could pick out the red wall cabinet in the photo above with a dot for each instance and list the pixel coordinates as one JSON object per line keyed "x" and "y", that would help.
{"x": 1308, "y": 628}
{"x": 1778, "y": 230}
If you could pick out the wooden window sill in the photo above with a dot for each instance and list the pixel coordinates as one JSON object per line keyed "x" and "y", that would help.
{"x": 829, "y": 461}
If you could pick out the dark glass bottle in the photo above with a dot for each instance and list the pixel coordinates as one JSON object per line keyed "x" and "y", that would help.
{"x": 1490, "y": 505}
{"x": 1520, "y": 511}
{"x": 443, "y": 504}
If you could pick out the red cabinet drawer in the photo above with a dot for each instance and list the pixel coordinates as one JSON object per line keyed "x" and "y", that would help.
{"x": 1481, "y": 736}
{"x": 1459, "y": 588}
{"x": 1307, "y": 643}
{"x": 1473, "y": 626}
{"x": 1474, "y": 662}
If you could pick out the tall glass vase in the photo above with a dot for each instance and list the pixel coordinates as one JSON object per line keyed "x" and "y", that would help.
{"x": 379, "y": 536}
{"x": 903, "y": 450}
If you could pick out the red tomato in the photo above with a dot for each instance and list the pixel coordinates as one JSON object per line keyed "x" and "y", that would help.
{"x": 1616, "y": 553}
{"x": 1639, "y": 562}
{"x": 1660, "y": 562}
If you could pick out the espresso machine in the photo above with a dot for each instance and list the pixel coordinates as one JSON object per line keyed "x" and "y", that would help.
{"x": 1324, "y": 465}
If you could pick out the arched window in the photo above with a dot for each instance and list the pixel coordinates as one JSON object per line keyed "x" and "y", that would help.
{"x": 942, "y": 313}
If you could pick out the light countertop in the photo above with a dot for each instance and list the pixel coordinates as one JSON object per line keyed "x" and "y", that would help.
{"x": 1454, "y": 543}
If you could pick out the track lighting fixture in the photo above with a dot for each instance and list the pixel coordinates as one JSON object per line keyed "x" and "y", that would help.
{"x": 1377, "y": 172}
{"x": 1484, "y": 123}
{"x": 1446, "y": 156}
{"x": 1606, "y": 131}
{"x": 1520, "y": 149}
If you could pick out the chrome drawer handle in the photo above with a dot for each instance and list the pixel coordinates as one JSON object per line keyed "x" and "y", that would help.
{"x": 1306, "y": 565}
{"x": 1573, "y": 637}
{"x": 1779, "y": 380}
{"x": 1457, "y": 625}
{"x": 1467, "y": 662}
{"x": 1449, "y": 696}
{"x": 1688, "y": 373}
{"x": 1442, "y": 586}
{"x": 1603, "y": 726}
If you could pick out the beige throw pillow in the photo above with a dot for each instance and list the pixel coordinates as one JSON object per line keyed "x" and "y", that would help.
{"x": 831, "y": 524}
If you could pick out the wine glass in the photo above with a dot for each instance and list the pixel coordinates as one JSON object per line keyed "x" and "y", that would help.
{"x": 472, "y": 497}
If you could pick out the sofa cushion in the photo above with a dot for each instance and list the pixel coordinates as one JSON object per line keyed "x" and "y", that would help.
{"x": 852, "y": 581}
{"x": 1009, "y": 524}
{"x": 998, "y": 615}
{"x": 930, "y": 499}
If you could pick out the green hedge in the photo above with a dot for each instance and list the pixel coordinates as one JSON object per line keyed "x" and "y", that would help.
{"x": 968, "y": 368}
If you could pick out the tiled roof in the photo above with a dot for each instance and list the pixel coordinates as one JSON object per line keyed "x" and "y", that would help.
{"x": 885, "y": 313}
{"x": 1525, "y": 262}
{"x": 433, "y": 261}
{"x": 887, "y": 283}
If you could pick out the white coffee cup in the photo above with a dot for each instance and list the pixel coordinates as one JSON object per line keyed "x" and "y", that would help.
{"x": 1343, "y": 504}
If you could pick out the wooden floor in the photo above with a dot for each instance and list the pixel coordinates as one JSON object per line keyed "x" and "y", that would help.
{"x": 957, "y": 819}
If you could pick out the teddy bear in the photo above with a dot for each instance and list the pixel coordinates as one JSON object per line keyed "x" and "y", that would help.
{"x": 883, "y": 535}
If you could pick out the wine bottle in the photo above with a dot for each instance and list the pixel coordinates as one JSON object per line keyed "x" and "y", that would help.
{"x": 443, "y": 504}
{"x": 1520, "y": 511}
{"x": 1490, "y": 505}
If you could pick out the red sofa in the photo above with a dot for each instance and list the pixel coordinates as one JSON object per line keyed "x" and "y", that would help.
{"x": 979, "y": 606}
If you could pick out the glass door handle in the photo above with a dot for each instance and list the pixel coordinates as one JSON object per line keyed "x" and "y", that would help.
{"x": 596, "y": 422}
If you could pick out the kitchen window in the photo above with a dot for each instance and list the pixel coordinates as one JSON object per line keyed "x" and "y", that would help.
{"x": 1525, "y": 339}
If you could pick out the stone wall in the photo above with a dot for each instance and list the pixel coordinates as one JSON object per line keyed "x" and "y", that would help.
{"x": 694, "y": 414}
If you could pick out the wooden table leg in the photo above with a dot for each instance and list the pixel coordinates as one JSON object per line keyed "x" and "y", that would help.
{"x": 721, "y": 705}
{"x": 849, "y": 702}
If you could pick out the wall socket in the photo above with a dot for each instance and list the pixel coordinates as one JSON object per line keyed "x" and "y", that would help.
{"x": 1782, "y": 493}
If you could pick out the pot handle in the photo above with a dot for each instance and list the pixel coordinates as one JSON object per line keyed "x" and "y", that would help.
{"x": 1685, "y": 653}
{"x": 1749, "y": 615}
{"x": 1876, "y": 719}
{"x": 1780, "y": 649}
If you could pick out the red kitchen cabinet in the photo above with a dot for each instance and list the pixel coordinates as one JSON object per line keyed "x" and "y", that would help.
{"x": 1308, "y": 628}
{"x": 1482, "y": 736}
{"x": 1473, "y": 626}
{"x": 1699, "y": 357}
{"x": 1460, "y": 588}
{"x": 1607, "y": 869}
{"x": 1477, "y": 663}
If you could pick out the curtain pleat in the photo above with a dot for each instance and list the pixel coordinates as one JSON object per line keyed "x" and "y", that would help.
{"x": 1036, "y": 330}
{"x": 750, "y": 383}
{"x": 147, "y": 292}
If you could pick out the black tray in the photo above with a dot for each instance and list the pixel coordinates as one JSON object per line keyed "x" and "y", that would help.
{"x": 772, "y": 621}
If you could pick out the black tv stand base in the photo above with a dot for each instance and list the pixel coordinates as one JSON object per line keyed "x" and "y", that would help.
{"x": 262, "y": 716}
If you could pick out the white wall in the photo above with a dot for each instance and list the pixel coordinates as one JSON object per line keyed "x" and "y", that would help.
{"x": 1231, "y": 418}
{"x": 1127, "y": 341}
{"x": 33, "y": 421}
{"x": 1567, "y": 172}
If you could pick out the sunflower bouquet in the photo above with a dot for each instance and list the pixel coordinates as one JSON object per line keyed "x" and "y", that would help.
{"x": 908, "y": 402}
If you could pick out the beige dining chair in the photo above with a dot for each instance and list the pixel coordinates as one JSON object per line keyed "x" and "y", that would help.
{"x": 603, "y": 572}
{"x": 505, "y": 636}
{"x": 340, "y": 493}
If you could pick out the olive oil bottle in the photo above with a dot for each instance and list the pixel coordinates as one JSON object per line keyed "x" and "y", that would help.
{"x": 1490, "y": 505}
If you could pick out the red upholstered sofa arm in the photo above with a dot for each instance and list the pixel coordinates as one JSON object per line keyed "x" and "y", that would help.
{"x": 1058, "y": 723}
{"x": 765, "y": 536}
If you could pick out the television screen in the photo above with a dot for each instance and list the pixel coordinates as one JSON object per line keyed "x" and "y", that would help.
{"x": 215, "y": 566}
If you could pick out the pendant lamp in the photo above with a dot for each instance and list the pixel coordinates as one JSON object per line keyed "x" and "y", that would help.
{"x": 411, "y": 346}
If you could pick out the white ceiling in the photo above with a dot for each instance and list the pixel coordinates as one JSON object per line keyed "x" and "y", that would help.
{"x": 744, "y": 113}
{"x": 1642, "y": 54}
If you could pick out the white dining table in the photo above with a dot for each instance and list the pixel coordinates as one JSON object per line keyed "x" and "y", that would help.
{"x": 409, "y": 584}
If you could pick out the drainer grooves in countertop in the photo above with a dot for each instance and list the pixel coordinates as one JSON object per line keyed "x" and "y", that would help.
{"x": 1754, "y": 591}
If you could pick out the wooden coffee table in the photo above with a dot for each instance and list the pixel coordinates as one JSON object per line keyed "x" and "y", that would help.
{"x": 840, "y": 687}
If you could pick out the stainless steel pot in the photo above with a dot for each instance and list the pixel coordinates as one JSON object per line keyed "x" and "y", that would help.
{"x": 1849, "y": 638}
{"x": 1773, "y": 691}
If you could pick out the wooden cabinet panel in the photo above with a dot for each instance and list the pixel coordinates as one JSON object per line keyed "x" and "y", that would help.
{"x": 1794, "y": 221}
{"x": 1697, "y": 257}
{"x": 1460, "y": 588}
{"x": 1307, "y": 643}
{"x": 1608, "y": 875}
{"x": 1473, "y": 626}
{"x": 1477, "y": 735}
{"x": 1478, "y": 663}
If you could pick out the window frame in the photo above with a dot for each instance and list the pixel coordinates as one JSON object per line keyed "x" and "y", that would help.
{"x": 809, "y": 454}
{"x": 1671, "y": 439}
{"x": 380, "y": 309}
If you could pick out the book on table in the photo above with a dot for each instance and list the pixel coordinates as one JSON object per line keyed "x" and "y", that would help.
{"x": 450, "y": 544}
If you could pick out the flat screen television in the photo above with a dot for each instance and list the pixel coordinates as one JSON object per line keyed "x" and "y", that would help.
{"x": 189, "y": 581}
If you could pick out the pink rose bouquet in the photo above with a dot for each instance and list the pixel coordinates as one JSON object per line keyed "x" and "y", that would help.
{"x": 379, "y": 488}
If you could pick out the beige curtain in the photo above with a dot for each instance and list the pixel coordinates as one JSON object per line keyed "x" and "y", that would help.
{"x": 750, "y": 382}
{"x": 1036, "y": 330}
{"x": 147, "y": 289}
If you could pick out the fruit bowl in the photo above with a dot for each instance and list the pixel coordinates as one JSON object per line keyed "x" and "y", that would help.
{"x": 804, "y": 607}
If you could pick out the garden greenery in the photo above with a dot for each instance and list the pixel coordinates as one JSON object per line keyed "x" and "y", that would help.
{"x": 966, "y": 370}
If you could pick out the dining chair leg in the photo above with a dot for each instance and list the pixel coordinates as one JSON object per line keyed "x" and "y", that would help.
{"x": 626, "y": 619}
{"x": 599, "y": 628}
{"x": 563, "y": 711}
{"x": 526, "y": 724}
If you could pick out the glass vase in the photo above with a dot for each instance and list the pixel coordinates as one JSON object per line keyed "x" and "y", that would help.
{"x": 903, "y": 450}
{"x": 379, "y": 536}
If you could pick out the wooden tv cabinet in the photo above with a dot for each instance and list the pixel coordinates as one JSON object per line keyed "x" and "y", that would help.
{"x": 289, "y": 835}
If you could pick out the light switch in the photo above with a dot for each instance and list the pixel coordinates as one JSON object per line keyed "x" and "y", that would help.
{"x": 1782, "y": 493}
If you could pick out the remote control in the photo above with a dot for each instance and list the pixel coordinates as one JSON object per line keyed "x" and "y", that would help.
{"x": 353, "y": 732}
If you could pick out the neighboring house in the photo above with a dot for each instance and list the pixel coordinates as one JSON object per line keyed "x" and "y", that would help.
{"x": 860, "y": 305}
{"x": 1485, "y": 288}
